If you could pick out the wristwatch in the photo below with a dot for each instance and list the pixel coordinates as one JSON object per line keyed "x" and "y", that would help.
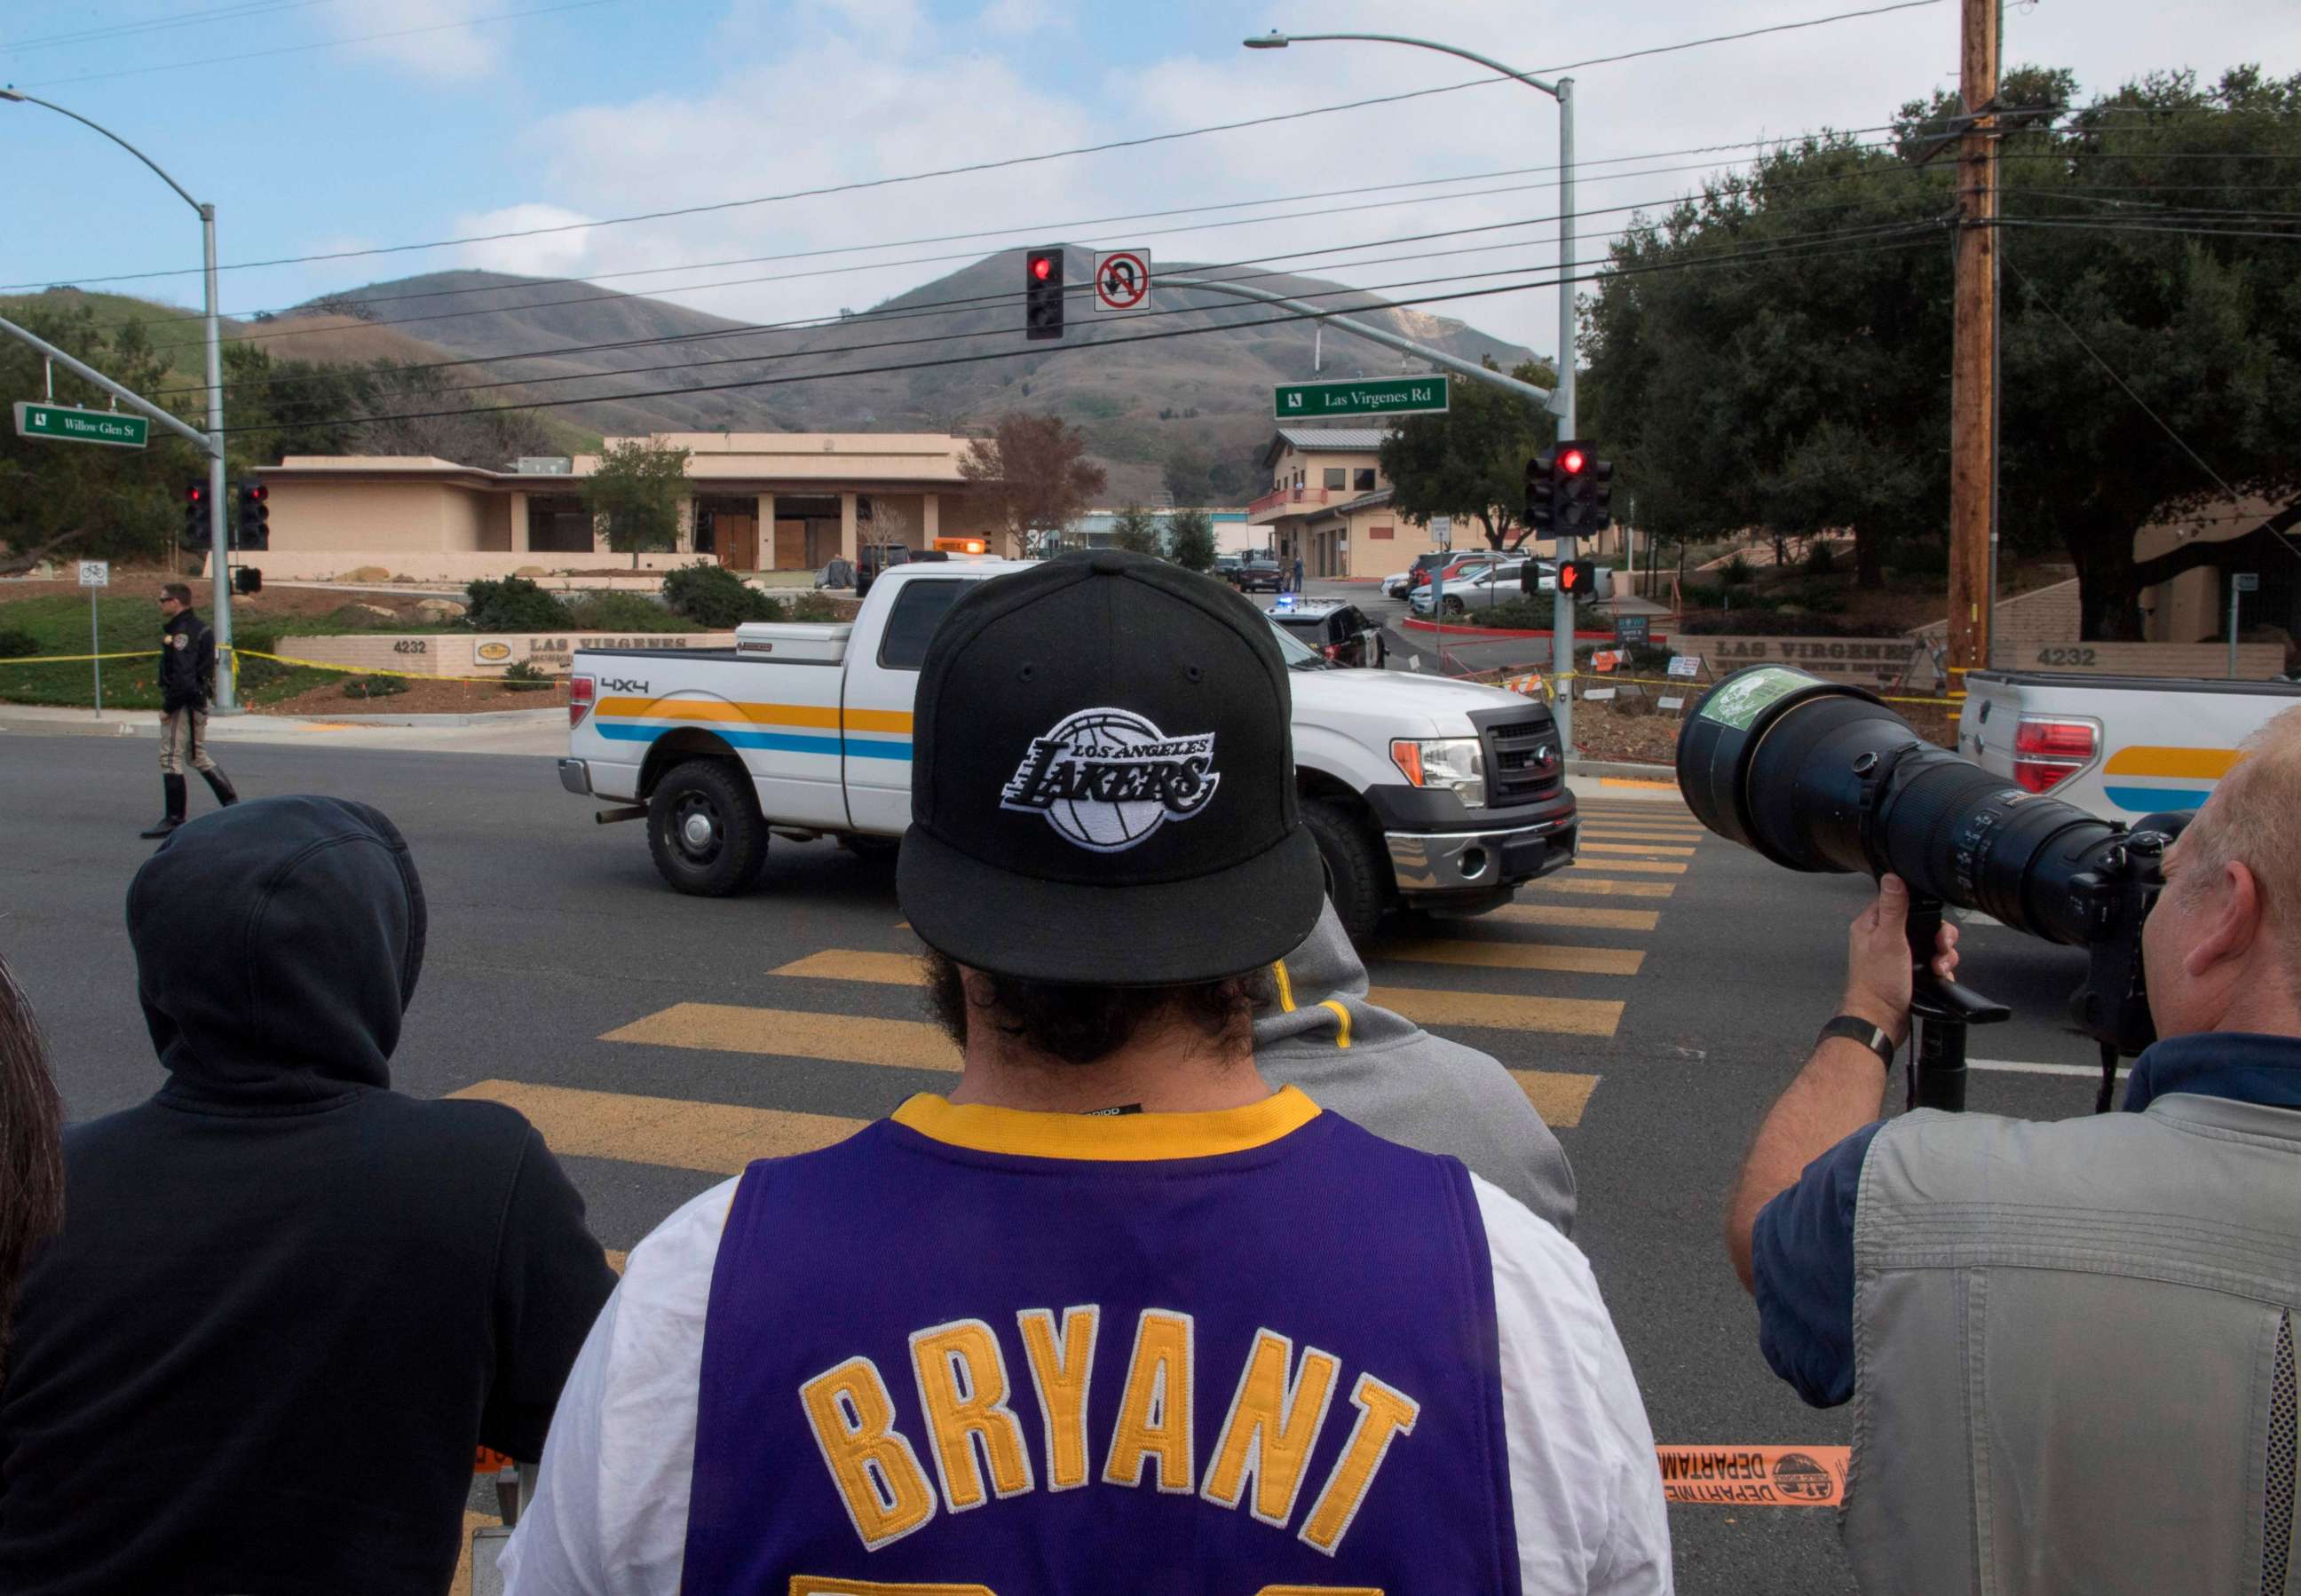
{"x": 1877, "y": 1041}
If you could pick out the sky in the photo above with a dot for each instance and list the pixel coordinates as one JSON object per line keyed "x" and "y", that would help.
{"x": 321, "y": 127}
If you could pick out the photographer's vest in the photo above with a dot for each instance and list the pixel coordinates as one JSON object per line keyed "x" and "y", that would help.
{"x": 2073, "y": 1348}
{"x": 972, "y": 1350}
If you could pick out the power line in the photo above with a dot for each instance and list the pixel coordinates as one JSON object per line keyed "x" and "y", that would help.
{"x": 978, "y": 166}
{"x": 2140, "y": 226}
{"x": 1026, "y": 353}
{"x": 325, "y": 43}
{"x": 221, "y": 13}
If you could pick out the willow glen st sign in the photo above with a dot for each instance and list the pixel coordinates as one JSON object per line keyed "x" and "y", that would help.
{"x": 1379, "y": 396}
{"x": 81, "y": 426}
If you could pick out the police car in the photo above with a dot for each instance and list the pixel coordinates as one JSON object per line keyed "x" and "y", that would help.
{"x": 1336, "y": 627}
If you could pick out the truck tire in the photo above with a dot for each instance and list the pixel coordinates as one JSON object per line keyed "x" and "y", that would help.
{"x": 1358, "y": 872}
{"x": 705, "y": 829}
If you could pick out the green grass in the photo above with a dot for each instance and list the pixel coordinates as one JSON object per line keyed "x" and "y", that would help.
{"x": 178, "y": 333}
{"x": 129, "y": 625}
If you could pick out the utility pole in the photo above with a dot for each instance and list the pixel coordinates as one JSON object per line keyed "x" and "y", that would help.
{"x": 1973, "y": 355}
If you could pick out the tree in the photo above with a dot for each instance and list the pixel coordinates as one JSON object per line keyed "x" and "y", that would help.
{"x": 1191, "y": 540}
{"x": 637, "y": 488}
{"x": 68, "y": 497}
{"x": 1185, "y": 476}
{"x": 1470, "y": 461}
{"x": 1775, "y": 355}
{"x": 1136, "y": 531}
{"x": 1033, "y": 474}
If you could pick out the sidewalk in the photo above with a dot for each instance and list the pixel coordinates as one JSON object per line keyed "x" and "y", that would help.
{"x": 523, "y": 731}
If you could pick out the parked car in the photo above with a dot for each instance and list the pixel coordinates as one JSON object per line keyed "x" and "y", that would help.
{"x": 1422, "y": 792}
{"x": 1405, "y": 581}
{"x": 1472, "y": 586}
{"x": 1259, "y": 569}
{"x": 1225, "y": 564}
{"x": 874, "y": 558}
{"x": 1336, "y": 627}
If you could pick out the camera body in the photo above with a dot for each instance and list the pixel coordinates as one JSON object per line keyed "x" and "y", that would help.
{"x": 1819, "y": 776}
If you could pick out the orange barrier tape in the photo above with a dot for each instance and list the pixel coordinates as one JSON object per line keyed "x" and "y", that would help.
{"x": 1755, "y": 1476}
{"x": 490, "y": 1462}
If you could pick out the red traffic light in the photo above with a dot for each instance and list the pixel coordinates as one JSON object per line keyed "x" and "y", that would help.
{"x": 1571, "y": 461}
{"x": 1041, "y": 266}
{"x": 255, "y": 493}
{"x": 1568, "y": 578}
{"x": 194, "y": 494}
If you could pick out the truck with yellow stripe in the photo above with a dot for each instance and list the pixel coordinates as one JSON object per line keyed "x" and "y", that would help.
{"x": 1422, "y": 792}
{"x": 2118, "y": 746}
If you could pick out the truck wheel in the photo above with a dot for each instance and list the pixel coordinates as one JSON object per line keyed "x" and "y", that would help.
{"x": 1358, "y": 872}
{"x": 704, "y": 829}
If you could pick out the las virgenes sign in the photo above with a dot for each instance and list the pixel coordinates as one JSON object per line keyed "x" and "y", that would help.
{"x": 81, "y": 426}
{"x": 1396, "y": 396}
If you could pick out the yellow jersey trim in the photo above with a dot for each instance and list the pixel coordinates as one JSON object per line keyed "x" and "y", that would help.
{"x": 1108, "y": 1138}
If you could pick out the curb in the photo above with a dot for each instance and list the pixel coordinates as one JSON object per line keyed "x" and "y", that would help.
{"x": 1614, "y": 767}
{"x": 1506, "y": 634}
{"x": 70, "y": 728}
{"x": 513, "y": 717}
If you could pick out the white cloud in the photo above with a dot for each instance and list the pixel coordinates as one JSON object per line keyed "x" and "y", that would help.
{"x": 546, "y": 255}
{"x": 1014, "y": 19}
{"x": 435, "y": 39}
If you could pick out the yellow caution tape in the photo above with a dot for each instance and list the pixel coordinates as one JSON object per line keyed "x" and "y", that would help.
{"x": 66, "y": 659}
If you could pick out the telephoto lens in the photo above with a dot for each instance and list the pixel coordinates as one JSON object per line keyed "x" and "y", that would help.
{"x": 1821, "y": 776}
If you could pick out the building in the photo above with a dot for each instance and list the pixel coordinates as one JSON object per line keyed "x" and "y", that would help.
{"x": 1095, "y": 530}
{"x": 1329, "y": 504}
{"x": 760, "y": 501}
{"x": 2248, "y": 536}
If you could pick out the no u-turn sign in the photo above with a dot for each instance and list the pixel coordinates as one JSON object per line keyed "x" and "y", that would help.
{"x": 1122, "y": 278}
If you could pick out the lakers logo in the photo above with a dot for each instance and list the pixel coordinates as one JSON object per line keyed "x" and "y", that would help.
{"x": 1106, "y": 779}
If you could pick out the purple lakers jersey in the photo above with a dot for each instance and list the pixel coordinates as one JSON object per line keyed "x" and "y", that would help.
{"x": 974, "y": 1350}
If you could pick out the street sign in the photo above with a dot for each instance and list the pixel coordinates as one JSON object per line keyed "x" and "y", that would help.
{"x": 2248, "y": 581}
{"x": 96, "y": 573}
{"x": 1633, "y": 629}
{"x": 1121, "y": 277}
{"x": 1391, "y": 396}
{"x": 1688, "y": 665}
{"x": 80, "y": 426}
{"x": 1442, "y": 530}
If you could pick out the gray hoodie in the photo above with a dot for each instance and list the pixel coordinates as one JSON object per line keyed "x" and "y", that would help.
{"x": 1388, "y": 1073}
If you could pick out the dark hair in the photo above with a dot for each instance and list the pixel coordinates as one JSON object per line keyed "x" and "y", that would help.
{"x": 31, "y": 1145}
{"x": 1085, "y": 1024}
{"x": 181, "y": 592}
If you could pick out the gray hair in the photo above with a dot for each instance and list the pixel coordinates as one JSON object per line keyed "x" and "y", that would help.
{"x": 2253, "y": 819}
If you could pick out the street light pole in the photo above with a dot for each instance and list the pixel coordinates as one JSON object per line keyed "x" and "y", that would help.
{"x": 219, "y": 562}
{"x": 1561, "y": 400}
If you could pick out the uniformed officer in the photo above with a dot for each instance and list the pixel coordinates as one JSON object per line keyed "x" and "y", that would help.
{"x": 186, "y": 680}
{"x": 1113, "y": 1316}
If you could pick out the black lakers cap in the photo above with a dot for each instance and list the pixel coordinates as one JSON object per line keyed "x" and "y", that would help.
{"x": 1102, "y": 787}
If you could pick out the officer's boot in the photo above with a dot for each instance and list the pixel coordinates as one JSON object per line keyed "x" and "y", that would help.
{"x": 221, "y": 785}
{"x": 177, "y": 797}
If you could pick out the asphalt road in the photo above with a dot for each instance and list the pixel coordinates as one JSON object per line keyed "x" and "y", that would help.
{"x": 558, "y": 965}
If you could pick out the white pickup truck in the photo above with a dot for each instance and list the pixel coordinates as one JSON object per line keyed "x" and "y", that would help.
{"x": 1441, "y": 796}
{"x": 2118, "y": 746}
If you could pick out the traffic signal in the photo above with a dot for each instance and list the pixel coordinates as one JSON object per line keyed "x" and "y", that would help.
{"x": 1579, "y": 578}
{"x": 1042, "y": 293}
{"x": 1538, "y": 517}
{"x": 254, "y": 529}
{"x": 1570, "y": 482}
{"x": 246, "y": 580}
{"x": 196, "y": 534}
{"x": 1602, "y": 493}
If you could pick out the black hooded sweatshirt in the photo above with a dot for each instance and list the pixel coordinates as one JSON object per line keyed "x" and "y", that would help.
{"x": 288, "y": 1301}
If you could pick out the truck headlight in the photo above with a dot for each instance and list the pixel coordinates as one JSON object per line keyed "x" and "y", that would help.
{"x": 1455, "y": 765}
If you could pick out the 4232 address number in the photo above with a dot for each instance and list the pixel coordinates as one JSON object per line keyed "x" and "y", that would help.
{"x": 2065, "y": 656}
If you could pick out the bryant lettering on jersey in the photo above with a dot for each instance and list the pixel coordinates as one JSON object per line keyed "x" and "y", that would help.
{"x": 979, "y": 1449}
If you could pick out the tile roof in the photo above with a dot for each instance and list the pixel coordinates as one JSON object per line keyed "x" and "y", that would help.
{"x": 1357, "y": 439}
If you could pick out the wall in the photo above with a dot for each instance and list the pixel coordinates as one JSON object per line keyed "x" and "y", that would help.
{"x": 2048, "y": 617}
{"x": 317, "y": 515}
{"x": 1869, "y": 661}
{"x": 2256, "y": 662}
{"x": 486, "y": 654}
{"x": 437, "y": 567}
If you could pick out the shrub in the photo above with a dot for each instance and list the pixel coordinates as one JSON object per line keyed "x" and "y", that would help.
{"x": 608, "y": 611}
{"x": 1736, "y": 572}
{"x": 1926, "y": 558}
{"x": 255, "y": 673}
{"x": 714, "y": 596}
{"x": 375, "y": 686}
{"x": 1821, "y": 601}
{"x": 514, "y": 604}
{"x": 1756, "y": 621}
{"x": 526, "y": 677}
{"x": 1645, "y": 659}
{"x": 1821, "y": 559}
{"x": 16, "y": 643}
{"x": 813, "y": 606}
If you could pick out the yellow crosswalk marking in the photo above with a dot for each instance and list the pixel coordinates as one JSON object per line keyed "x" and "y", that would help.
{"x": 851, "y": 963}
{"x": 796, "y": 1034}
{"x": 1643, "y": 833}
{"x": 1517, "y": 956}
{"x": 1641, "y": 848}
{"x": 1573, "y": 914}
{"x": 616, "y": 1260}
{"x": 1557, "y": 1095}
{"x": 716, "y": 1138}
{"x": 1569, "y": 1016}
{"x": 1575, "y": 883}
{"x": 1637, "y": 866}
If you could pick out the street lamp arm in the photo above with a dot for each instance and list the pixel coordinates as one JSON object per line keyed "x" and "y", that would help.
{"x": 1487, "y": 61}
{"x": 33, "y": 99}
{"x": 1452, "y": 363}
{"x": 80, "y": 368}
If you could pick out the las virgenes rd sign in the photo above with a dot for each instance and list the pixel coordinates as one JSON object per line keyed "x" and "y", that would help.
{"x": 80, "y": 426}
{"x": 1397, "y": 396}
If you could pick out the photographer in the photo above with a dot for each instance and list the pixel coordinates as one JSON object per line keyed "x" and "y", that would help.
{"x": 2070, "y": 1344}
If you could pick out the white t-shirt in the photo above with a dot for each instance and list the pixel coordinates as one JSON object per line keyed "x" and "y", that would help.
{"x": 609, "y": 1517}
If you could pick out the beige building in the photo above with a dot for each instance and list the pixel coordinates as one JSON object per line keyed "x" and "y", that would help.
{"x": 760, "y": 501}
{"x": 1329, "y": 504}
